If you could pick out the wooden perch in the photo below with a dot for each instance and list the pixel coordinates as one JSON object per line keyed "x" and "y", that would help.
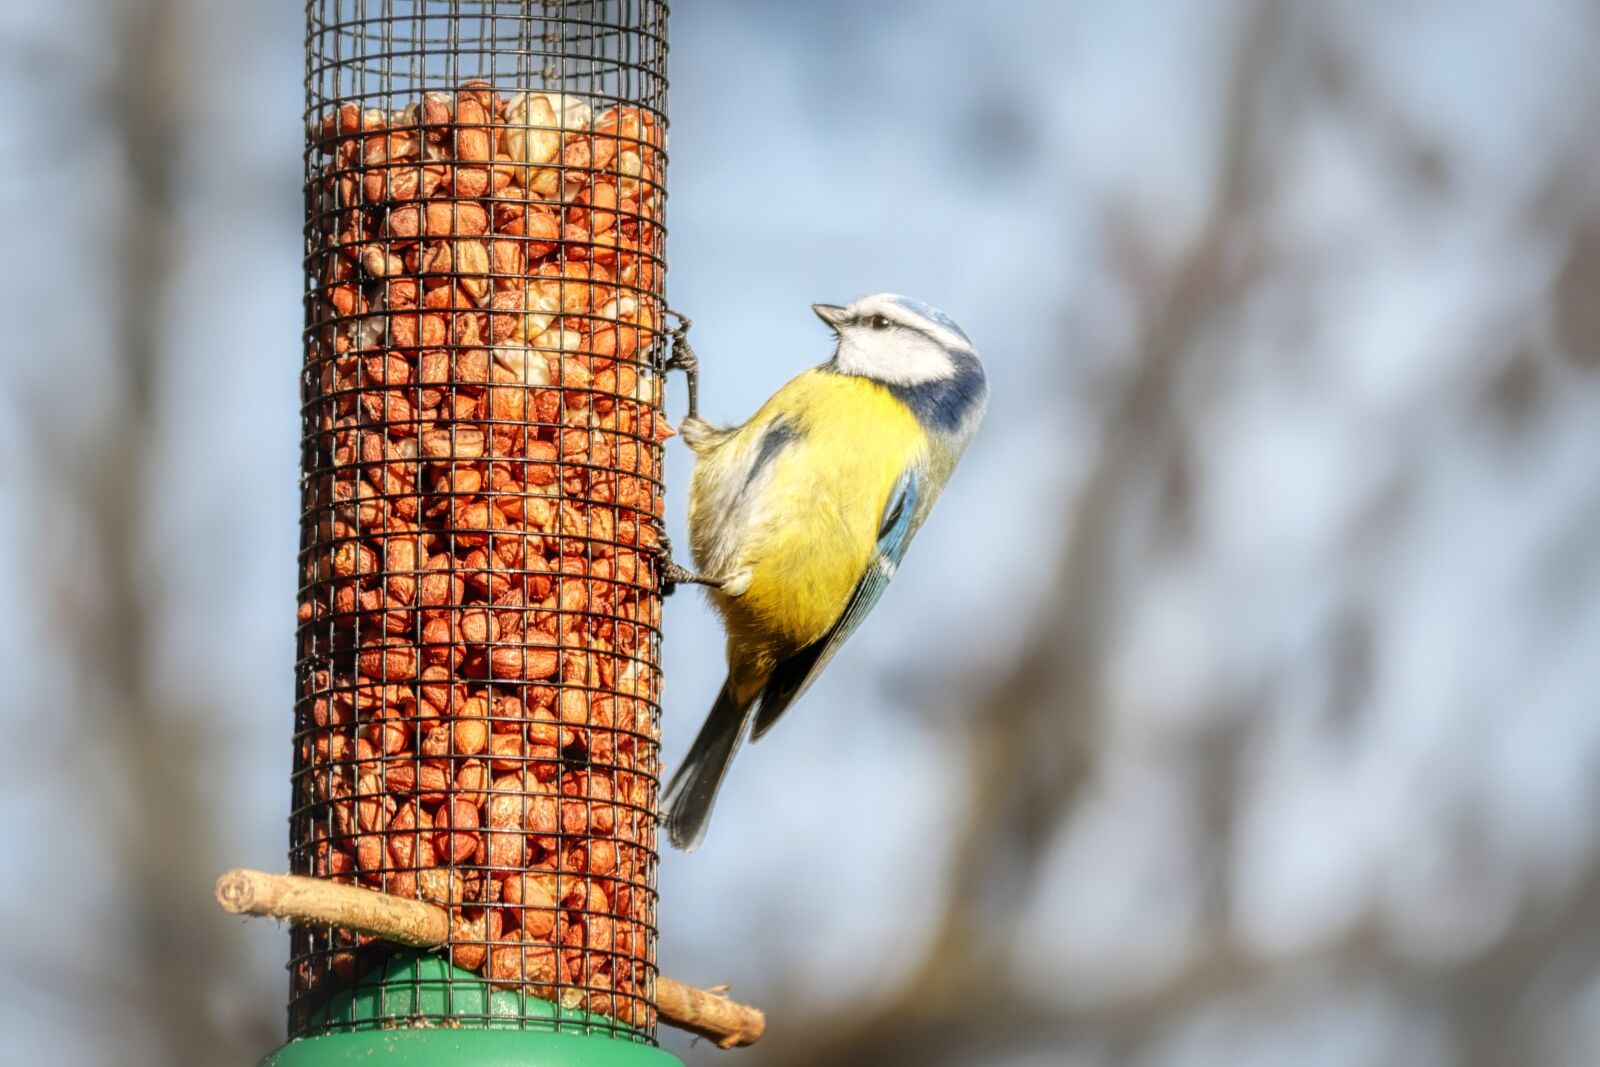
{"x": 312, "y": 900}
{"x": 293, "y": 898}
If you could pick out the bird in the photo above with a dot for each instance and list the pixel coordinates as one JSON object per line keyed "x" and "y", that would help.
{"x": 800, "y": 516}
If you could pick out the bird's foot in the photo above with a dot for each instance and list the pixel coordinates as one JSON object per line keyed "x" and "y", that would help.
{"x": 683, "y": 358}
{"x": 674, "y": 574}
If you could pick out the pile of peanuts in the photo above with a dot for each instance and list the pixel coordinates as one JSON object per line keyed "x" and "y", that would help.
{"x": 478, "y": 620}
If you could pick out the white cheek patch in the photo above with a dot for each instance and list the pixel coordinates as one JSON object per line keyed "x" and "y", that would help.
{"x": 897, "y": 356}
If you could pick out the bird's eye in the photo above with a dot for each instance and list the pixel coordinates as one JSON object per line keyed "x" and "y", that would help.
{"x": 879, "y": 322}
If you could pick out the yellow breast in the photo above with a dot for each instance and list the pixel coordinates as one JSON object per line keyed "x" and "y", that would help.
{"x": 809, "y": 530}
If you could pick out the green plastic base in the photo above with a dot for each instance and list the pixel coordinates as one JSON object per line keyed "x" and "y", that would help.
{"x": 417, "y": 1009}
{"x": 468, "y": 1048}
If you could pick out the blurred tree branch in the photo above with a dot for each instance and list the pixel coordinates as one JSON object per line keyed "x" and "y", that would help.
{"x": 169, "y": 955}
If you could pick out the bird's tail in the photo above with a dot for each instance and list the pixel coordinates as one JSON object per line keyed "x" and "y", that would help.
{"x": 693, "y": 789}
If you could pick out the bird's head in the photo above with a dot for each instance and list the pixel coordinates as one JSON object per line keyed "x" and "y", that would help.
{"x": 914, "y": 349}
{"x": 896, "y": 340}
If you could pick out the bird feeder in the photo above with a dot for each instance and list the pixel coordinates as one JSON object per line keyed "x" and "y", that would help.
{"x": 476, "y": 765}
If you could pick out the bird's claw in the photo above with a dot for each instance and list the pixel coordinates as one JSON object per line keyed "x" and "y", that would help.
{"x": 674, "y": 574}
{"x": 683, "y": 358}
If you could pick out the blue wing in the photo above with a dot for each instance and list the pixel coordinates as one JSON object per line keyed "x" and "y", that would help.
{"x": 795, "y": 674}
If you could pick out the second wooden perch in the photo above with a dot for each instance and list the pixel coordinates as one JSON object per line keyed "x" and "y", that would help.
{"x": 412, "y": 922}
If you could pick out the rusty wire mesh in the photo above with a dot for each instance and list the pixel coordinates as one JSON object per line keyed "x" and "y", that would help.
{"x": 477, "y": 678}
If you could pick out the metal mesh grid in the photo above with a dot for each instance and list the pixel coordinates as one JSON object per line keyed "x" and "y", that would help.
{"x": 477, "y": 679}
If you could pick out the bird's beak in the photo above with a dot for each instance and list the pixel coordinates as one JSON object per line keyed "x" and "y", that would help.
{"x": 832, "y": 314}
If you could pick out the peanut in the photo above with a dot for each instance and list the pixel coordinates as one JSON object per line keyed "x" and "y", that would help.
{"x": 479, "y": 615}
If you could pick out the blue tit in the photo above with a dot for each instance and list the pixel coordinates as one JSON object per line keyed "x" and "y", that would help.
{"x": 799, "y": 517}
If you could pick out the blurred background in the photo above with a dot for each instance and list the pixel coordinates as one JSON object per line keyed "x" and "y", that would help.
{"x": 1241, "y": 704}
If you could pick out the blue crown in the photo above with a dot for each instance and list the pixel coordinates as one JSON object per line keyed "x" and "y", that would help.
{"x": 932, "y": 314}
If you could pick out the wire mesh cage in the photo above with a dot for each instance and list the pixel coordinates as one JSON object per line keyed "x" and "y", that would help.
{"x": 477, "y": 700}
